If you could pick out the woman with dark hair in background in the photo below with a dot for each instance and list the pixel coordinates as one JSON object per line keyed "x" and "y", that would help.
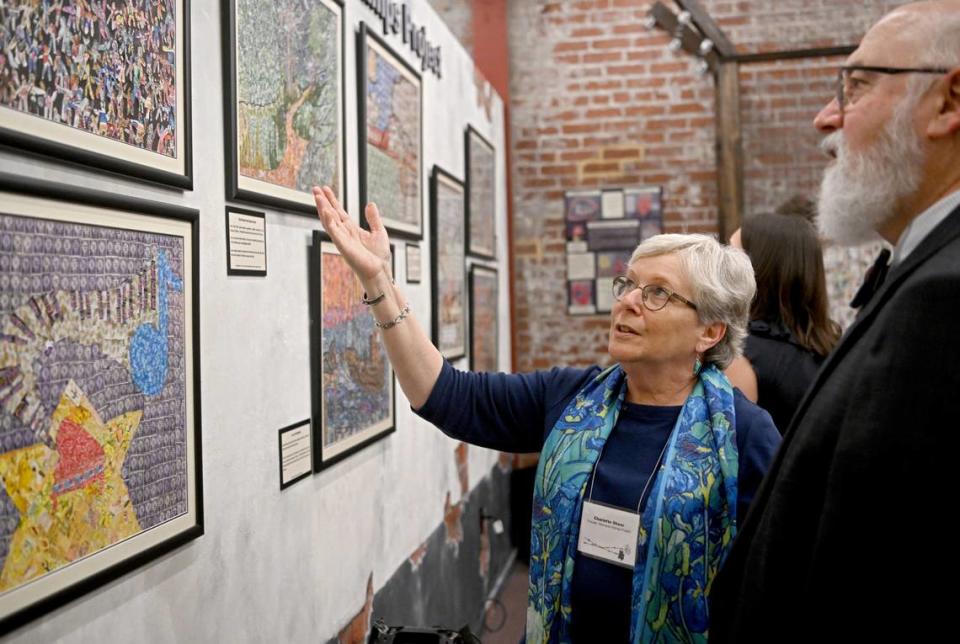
{"x": 790, "y": 330}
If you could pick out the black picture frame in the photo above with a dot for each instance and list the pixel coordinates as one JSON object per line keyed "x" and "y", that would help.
{"x": 367, "y": 38}
{"x": 77, "y": 208}
{"x": 24, "y": 132}
{"x": 256, "y": 191}
{"x": 480, "y": 216}
{"x": 250, "y": 213}
{"x": 325, "y": 456}
{"x": 280, "y": 433}
{"x": 477, "y": 271}
{"x": 440, "y": 259}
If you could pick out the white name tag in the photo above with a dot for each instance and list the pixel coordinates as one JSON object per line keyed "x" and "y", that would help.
{"x": 609, "y": 534}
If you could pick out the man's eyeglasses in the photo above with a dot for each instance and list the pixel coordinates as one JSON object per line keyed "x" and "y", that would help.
{"x": 654, "y": 296}
{"x": 849, "y": 88}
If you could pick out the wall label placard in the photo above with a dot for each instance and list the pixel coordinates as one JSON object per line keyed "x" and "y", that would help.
{"x": 246, "y": 242}
{"x": 396, "y": 18}
{"x": 296, "y": 453}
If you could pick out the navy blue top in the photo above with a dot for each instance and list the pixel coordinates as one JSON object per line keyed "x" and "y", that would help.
{"x": 515, "y": 413}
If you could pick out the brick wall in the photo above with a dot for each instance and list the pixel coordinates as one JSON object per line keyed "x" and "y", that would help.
{"x": 597, "y": 100}
{"x": 458, "y": 15}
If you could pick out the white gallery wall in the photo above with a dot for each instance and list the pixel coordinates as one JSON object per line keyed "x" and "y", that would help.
{"x": 287, "y": 566}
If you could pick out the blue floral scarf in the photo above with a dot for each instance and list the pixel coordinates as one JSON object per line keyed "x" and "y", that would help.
{"x": 686, "y": 527}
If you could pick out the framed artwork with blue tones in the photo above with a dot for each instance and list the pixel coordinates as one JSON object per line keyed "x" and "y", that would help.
{"x": 449, "y": 264}
{"x": 390, "y": 107}
{"x": 102, "y": 84}
{"x": 352, "y": 381}
{"x": 284, "y": 101}
{"x": 481, "y": 169}
{"x": 99, "y": 390}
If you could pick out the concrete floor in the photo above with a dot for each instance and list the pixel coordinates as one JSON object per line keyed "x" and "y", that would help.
{"x": 513, "y": 599}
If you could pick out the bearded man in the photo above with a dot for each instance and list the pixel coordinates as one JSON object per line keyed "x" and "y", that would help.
{"x": 848, "y": 537}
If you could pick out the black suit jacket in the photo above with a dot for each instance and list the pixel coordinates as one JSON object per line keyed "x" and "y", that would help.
{"x": 850, "y": 536}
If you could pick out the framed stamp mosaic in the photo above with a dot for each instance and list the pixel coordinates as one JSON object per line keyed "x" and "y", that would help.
{"x": 484, "y": 314}
{"x": 390, "y": 107}
{"x": 284, "y": 101}
{"x": 101, "y": 84}
{"x": 99, "y": 390}
{"x": 352, "y": 382}
{"x": 481, "y": 165}
{"x": 448, "y": 263}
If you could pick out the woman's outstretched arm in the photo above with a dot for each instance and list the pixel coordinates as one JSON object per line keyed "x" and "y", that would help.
{"x": 415, "y": 360}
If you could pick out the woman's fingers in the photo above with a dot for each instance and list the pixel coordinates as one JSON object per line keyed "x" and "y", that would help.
{"x": 373, "y": 217}
{"x": 333, "y": 222}
{"x": 323, "y": 204}
{"x": 332, "y": 198}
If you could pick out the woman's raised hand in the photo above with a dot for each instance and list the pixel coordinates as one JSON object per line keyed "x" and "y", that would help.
{"x": 367, "y": 251}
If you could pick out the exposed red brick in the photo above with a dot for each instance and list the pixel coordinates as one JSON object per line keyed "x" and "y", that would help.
{"x": 358, "y": 629}
{"x": 452, "y": 523}
{"x": 664, "y": 133}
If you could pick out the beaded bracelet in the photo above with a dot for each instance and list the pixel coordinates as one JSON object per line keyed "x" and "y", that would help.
{"x": 395, "y": 321}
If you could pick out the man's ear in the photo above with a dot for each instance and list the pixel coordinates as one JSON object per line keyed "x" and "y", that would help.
{"x": 947, "y": 120}
{"x": 711, "y": 335}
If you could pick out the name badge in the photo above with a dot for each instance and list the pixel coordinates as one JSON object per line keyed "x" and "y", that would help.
{"x": 609, "y": 534}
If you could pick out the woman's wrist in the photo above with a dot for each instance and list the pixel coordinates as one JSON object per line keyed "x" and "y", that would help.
{"x": 382, "y": 294}
{"x": 377, "y": 286}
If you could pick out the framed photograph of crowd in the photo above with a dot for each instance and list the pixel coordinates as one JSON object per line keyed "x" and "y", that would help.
{"x": 484, "y": 313}
{"x": 102, "y": 84}
{"x": 284, "y": 101}
{"x": 352, "y": 381}
{"x": 481, "y": 168}
{"x": 448, "y": 263}
{"x": 390, "y": 107}
{"x": 99, "y": 390}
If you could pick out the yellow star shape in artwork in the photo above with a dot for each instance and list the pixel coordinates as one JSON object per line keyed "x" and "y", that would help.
{"x": 56, "y": 529}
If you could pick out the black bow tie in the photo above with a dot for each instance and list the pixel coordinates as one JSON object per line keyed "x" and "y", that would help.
{"x": 872, "y": 281}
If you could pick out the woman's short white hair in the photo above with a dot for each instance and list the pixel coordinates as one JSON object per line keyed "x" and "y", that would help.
{"x": 723, "y": 286}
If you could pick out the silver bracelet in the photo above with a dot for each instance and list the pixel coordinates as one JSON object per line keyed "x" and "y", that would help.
{"x": 395, "y": 321}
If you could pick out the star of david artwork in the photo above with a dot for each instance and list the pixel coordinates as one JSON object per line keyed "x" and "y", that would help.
{"x": 97, "y": 431}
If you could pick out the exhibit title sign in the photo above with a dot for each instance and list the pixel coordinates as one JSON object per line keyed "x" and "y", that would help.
{"x": 396, "y": 18}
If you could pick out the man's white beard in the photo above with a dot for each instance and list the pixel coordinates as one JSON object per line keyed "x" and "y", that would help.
{"x": 860, "y": 192}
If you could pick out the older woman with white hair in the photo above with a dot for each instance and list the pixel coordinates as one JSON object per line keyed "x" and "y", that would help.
{"x": 646, "y": 466}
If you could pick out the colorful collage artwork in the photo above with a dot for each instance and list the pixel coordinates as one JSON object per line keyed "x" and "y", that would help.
{"x": 603, "y": 227}
{"x": 289, "y": 99}
{"x": 390, "y": 167}
{"x": 449, "y": 265}
{"x": 96, "y": 388}
{"x": 484, "y": 310}
{"x": 98, "y": 78}
{"x": 355, "y": 395}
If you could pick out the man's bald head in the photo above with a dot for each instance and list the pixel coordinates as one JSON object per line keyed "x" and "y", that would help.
{"x": 928, "y": 32}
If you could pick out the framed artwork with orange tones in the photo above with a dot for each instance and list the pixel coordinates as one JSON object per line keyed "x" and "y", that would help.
{"x": 484, "y": 312}
{"x": 99, "y": 390}
{"x": 284, "y": 101}
{"x": 351, "y": 378}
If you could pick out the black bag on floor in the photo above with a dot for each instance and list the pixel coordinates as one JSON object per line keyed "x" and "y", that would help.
{"x": 383, "y": 634}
